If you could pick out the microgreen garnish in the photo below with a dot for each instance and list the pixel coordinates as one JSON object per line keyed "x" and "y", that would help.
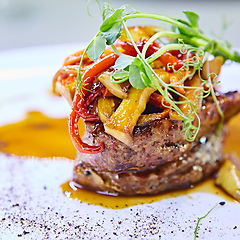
{"x": 187, "y": 37}
{"x": 199, "y": 219}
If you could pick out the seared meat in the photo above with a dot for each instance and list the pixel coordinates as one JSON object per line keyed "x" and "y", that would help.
{"x": 156, "y": 143}
{"x": 202, "y": 161}
{"x": 160, "y": 159}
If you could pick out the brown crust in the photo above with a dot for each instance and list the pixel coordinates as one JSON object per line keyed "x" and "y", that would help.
{"x": 202, "y": 161}
{"x": 156, "y": 143}
{"x": 160, "y": 158}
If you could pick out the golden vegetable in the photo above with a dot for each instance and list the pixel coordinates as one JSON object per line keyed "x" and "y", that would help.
{"x": 138, "y": 32}
{"x": 213, "y": 66}
{"x": 67, "y": 91}
{"x": 124, "y": 119}
{"x": 106, "y": 107}
{"x": 113, "y": 88}
{"x": 229, "y": 179}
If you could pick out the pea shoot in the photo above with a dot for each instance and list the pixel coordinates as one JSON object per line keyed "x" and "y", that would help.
{"x": 199, "y": 219}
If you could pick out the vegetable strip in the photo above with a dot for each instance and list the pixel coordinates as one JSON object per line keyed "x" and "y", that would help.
{"x": 75, "y": 58}
{"x": 80, "y": 105}
{"x": 79, "y": 108}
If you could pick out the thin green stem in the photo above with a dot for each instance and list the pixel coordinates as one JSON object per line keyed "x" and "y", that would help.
{"x": 166, "y": 48}
{"x": 164, "y": 18}
{"x": 194, "y": 37}
{"x": 117, "y": 51}
{"x": 196, "y": 229}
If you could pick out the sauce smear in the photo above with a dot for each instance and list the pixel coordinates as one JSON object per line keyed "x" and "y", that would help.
{"x": 119, "y": 202}
{"x": 37, "y": 136}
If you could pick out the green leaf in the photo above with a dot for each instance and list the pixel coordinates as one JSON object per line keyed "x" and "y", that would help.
{"x": 144, "y": 78}
{"x": 184, "y": 22}
{"x": 137, "y": 61}
{"x": 97, "y": 47}
{"x": 192, "y": 17}
{"x": 114, "y": 18}
{"x": 113, "y": 33}
{"x": 121, "y": 74}
{"x": 135, "y": 77}
{"x": 189, "y": 30}
{"x": 122, "y": 62}
{"x": 148, "y": 72}
{"x": 144, "y": 73}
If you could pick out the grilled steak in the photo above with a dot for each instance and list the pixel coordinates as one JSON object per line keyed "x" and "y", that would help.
{"x": 202, "y": 161}
{"x": 160, "y": 159}
{"x": 156, "y": 143}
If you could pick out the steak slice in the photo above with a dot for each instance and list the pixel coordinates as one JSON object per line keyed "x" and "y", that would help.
{"x": 202, "y": 161}
{"x": 155, "y": 143}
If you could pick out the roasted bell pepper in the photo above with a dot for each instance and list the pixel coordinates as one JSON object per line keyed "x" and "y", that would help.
{"x": 106, "y": 107}
{"x": 79, "y": 107}
{"x": 113, "y": 88}
{"x": 157, "y": 100}
{"x": 75, "y": 58}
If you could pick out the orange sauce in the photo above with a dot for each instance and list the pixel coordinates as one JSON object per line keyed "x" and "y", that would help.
{"x": 42, "y": 136}
{"x": 119, "y": 202}
{"x": 37, "y": 136}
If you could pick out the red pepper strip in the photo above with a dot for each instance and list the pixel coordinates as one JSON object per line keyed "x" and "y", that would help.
{"x": 174, "y": 79}
{"x": 76, "y": 139}
{"x": 168, "y": 60}
{"x": 94, "y": 94}
{"x": 80, "y": 104}
{"x": 75, "y": 58}
{"x": 130, "y": 50}
{"x": 157, "y": 100}
{"x": 164, "y": 113}
{"x": 79, "y": 108}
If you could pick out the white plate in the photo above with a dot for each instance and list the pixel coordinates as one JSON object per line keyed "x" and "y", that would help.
{"x": 32, "y": 205}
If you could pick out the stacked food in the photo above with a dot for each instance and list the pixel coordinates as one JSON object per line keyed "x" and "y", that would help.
{"x": 154, "y": 120}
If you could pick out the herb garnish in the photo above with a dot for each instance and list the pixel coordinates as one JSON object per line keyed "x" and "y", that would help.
{"x": 187, "y": 38}
{"x": 199, "y": 219}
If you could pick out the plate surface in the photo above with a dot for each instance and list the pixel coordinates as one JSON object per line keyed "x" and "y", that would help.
{"x": 32, "y": 205}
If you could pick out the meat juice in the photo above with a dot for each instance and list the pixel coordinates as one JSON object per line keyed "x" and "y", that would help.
{"x": 45, "y": 137}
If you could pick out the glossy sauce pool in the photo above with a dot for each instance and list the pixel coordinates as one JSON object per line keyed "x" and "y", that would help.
{"x": 42, "y": 136}
{"x": 38, "y": 136}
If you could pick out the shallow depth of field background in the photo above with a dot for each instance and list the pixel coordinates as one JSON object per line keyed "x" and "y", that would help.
{"x": 25, "y": 23}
